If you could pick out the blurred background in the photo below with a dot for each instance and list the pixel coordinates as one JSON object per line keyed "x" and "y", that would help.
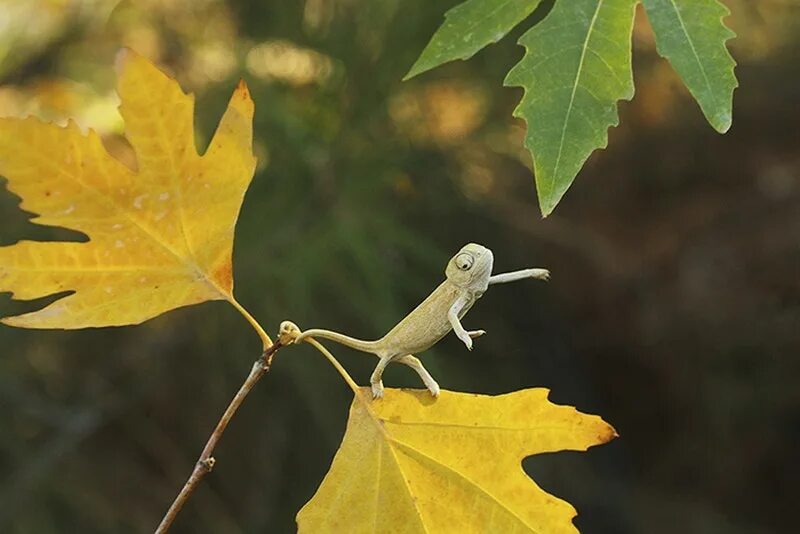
{"x": 673, "y": 311}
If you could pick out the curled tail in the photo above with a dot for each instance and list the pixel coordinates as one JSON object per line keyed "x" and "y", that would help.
{"x": 358, "y": 344}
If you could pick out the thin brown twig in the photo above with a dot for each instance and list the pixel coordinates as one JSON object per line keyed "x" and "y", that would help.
{"x": 206, "y": 461}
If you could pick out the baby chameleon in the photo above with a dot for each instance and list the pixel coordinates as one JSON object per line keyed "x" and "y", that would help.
{"x": 468, "y": 276}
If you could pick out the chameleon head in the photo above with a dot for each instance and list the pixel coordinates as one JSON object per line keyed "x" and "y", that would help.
{"x": 471, "y": 267}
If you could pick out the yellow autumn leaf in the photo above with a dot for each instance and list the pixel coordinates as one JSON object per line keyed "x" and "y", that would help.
{"x": 413, "y": 464}
{"x": 160, "y": 236}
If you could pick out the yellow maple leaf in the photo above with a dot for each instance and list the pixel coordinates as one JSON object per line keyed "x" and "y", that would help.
{"x": 412, "y": 464}
{"x": 160, "y": 237}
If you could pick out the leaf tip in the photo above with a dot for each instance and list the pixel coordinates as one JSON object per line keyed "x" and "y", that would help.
{"x": 241, "y": 100}
{"x": 242, "y": 90}
{"x": 548, "y": 202}
{"x": 415, "y": 70}
{"x": 16, "y": 321}
{"x": 609, "y": 434}
{"x": 723, "y": 122}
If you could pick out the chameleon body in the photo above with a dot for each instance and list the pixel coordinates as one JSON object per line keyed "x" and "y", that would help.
{"x": 468, "y": 276}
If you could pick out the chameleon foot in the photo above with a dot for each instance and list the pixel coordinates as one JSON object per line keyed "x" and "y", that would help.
{"x": 466, "y": 339}
{"x": 476, "y": 333}
{"x": 377, "y": 390}
{"x": 423, "y": 373}
{"x": 541, "y": 274}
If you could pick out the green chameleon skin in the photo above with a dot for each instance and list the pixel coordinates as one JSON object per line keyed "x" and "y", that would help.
{"x": 468, "y": 276}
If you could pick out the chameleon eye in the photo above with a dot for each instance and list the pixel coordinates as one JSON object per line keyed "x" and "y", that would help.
{"x": 464, "y": 261}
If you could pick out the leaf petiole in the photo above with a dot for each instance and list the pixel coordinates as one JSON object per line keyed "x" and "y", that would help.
{"x": 358, "y": 392}
{"x": 265, "y": 339}
{"x": 339, "y": 367}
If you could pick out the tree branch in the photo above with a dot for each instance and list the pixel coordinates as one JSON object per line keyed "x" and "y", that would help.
{"x": 206, "y": 461}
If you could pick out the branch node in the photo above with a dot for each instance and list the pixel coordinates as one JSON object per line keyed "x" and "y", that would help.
{"x": 207, "y": 464}
{"x": 265, "y": 361}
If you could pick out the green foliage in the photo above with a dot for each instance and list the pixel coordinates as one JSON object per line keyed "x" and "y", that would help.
{"x": 691, "y": 35}
{"x": 571, "y": 87}
{"x": 468, "y": 28}
{"x": 577, "y": 66}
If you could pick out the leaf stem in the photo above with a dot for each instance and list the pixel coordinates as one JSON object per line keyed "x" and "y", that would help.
{"x": 206, "y": 461}
{"x": 265, "y": 339}
{"x": 358, "y": 392}
{"x": 331, "y": 358}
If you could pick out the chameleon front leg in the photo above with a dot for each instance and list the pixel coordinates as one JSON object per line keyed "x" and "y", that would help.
{"x": 455, "y": 322}
{"x": 539, "y": 274}
{"x": 423, "y": 373}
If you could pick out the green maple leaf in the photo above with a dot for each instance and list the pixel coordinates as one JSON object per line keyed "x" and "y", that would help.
{"x": 691, "y": 35}
{"x": 572, "y": 85}
{"x": 468, "y": 28}
{"x": 577, "y": 66}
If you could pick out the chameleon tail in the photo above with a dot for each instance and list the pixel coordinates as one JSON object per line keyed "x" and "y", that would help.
{"x": 358, "y": 344}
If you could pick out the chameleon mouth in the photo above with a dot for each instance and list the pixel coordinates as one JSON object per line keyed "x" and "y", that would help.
{"x": 483, "y": 265}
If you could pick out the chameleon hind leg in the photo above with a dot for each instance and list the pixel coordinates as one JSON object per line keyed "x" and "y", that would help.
{"x": 423, "y": 373}
{"x": 375, "y": 380}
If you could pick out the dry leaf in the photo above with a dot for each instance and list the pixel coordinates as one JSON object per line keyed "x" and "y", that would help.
{"x": 160, "y": 237}
{"x": 412, "y": 464}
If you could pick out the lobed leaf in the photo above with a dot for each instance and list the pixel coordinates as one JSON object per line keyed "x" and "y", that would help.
{"x": 412, "y": 464}
{"x": 576, "y": 67}
{"x": 160, "y": 237}
{"x": 468, "y": 28}
{"x": 692, "y": 36}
